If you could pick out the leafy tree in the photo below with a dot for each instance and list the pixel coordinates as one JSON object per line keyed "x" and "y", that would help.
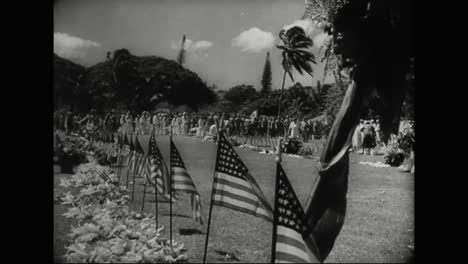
{"x": 181, "y": 56}
{"x": 240, "y": 94}
{"x": 267, "y": 75}
{"x": 295, "y": 53}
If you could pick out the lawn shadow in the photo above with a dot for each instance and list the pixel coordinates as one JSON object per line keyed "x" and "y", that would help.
{"x": 226, "y": 256}
{"x": 178, "y": 215}
{"x": 189, "y": 231}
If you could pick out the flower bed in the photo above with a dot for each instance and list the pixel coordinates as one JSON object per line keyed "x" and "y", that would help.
{"x": 106, "y": 230}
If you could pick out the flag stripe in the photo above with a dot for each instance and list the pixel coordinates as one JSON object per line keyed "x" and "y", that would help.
{"x": 241, "y": 195}
{"x": 185, "y": 188}
{"x": 283, "y": 257}
{"x": 241, "y": 209}
{"x": 292, "y": 234}
{"x": 177, "y": 176}
{"x": 233, "y": 181}
{"x": 286, "y": 239}
{"x": 223, "y": 199}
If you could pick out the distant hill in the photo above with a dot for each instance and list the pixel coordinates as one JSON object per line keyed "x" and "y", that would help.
{"x": 127, "y": 81}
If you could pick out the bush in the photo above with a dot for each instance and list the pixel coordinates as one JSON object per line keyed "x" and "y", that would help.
{"x": 291, "y": 146}
{"x": 393, "y": 156}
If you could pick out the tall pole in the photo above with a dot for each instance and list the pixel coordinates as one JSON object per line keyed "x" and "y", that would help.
{"x": 170, "y": 189}
{"x": 134, "y": 171}
{"x": 274, "y": 235}
{"x": 211, "y": 202}
{"x": 144, "y": 190}
{"x": 156, "y": 201}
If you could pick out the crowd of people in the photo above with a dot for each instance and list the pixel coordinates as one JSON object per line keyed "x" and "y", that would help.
{"x": 367, "y": 138}
{"x": 192, "y": 124}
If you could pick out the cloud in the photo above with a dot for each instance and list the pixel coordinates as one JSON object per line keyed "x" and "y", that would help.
{"x": 194, "y": 48}
{"x": 254, "y": 40}
{"x": 202, "y": 45}
{"x": 71, "y": 47}
{"x": 190, "y": 45}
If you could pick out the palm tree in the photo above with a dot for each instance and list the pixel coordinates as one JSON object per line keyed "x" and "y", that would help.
{"x": 295, "y": 54}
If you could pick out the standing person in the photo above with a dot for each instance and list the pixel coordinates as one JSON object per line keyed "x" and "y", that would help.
{"x": 303, "y": 130}
{"x": 407, "y": 145}
{"x": 293, "y": 129}
{"x": 310, "y": 126}
{"x": 286, "y": 124}
{"x": 129, "y": 124}
{"x": 156, "y": 123}
{"x": 210, "y": 120}
{"x": 69, "y": 123}
{"x": 368, "y": 142}
{"x": 357, "y": 138}
{"x": 164, "y": 122}
{"x": 378, "y": 137}
{"x": 213, "y": 132}
{"x": 270, "y": 128}
{"x": 173, "y": 123}
{"x": 185, "y": 124}
{"x": 238, "y": 126}
{"x": 201, "y": 131}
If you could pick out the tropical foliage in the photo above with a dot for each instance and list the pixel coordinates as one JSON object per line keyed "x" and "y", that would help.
{"x": 127, "y": 81}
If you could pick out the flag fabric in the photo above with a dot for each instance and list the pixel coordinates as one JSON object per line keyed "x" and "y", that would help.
{"x": 181, "y": 181}
{"x": 140, "y": 157}
{"x": 325, "y": 208}
{"x": 158, "y": 169}
{"x": 133, "y": 154}
{"x": 293, "y": 239}
{"x": 234, "y": 187}
{"x": 104, "y": 176}
{"x": 125, "y": 146}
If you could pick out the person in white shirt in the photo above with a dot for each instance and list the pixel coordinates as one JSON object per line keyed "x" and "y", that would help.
{"x": 213, "y": 132}
{"x": 155, "y": 124}
{"x": 357, "y": 137}
{"x": 294, "y": 129}
{"x": 201, "y": 128}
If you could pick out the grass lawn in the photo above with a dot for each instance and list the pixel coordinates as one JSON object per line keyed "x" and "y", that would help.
{"x": 378, "y": 225}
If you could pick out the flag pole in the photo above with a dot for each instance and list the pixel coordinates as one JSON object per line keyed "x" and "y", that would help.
{"x": 144, "y": 191}
{"x": 278, "y": 160}
{"x": 211, "y": 200}
{"x": 134, "y": 171}
{"x": 129, "y": 163}
{"x": 170, "y": 189}
{"x": 146, "y": 179}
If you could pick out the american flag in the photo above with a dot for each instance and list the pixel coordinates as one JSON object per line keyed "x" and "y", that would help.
{"x": 293, "y": 242}
{"x": 104, "y": 176}
{"x": 181, "y": 181}
{"x": 125, "y": 146}
{"x": 234, "y": 187}
{"x": 133, "y": 155}
{"x": 140, "y": 160}
{"x": 157, "y": 167}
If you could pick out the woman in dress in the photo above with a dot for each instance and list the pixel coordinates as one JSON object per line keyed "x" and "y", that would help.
{"x": 143, "y": 123}
{"x": 357, "y": 139}
{"x": 201, "y": 128}
{"x": 129, "y": 124}
{"x": 368, "y": 141}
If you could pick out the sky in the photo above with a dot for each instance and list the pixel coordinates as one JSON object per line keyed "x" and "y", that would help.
{"x": 226, "y": 45}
